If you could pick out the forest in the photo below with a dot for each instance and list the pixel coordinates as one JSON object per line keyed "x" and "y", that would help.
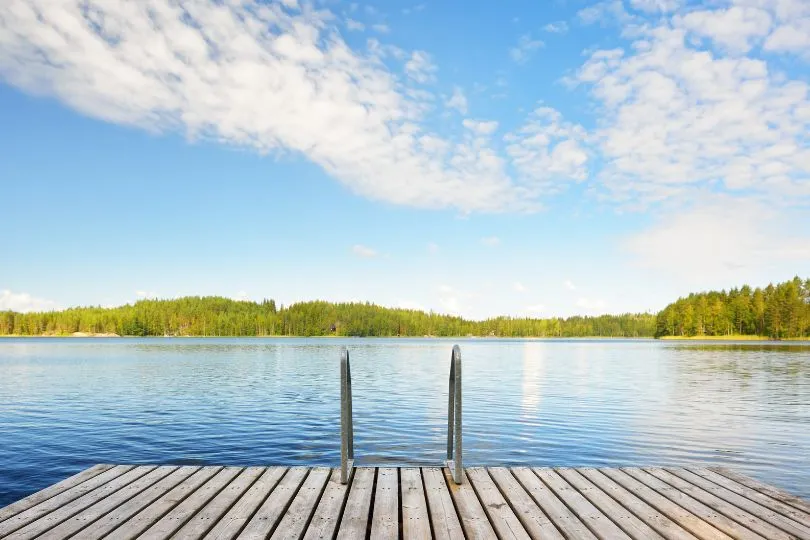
{"x": 780, "y": 311}
{"x": 777, "y": 311}
{"x": 216, "y": 316}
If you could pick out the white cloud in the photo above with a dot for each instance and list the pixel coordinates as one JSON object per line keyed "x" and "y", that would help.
{"x": 535, "y": 309}
{"x": 736, "y": 29}
{"x": 568, "y": 284}
{"x": 519, "y": 287}
{"x": 241, "y": 296}
{"x": 355, "y": 26}
{"x": 24, "y": 302}
{"x": 381, "y": 28}
{"x": 267, "y": 77}
{"x": 146, "y": 294}
{"x": 433, "y": 248}
{"x": 420, "y": 67}
{"x": 653, "y": 6}
{"x": 410, "y": 304}
{"x": 558, "y": 27}
{"x": 480, "y": 127}
{"x": 457, "y": 101}
{"x": 791, "y": 37}
{"x": 524, "y": 49}
{"x": 592, "y": 306}
{"x": 722, "y": 241}
{"x": 676, "y": 121}
{"x": 547, "y": 151}
{"x": 491, "y": 241}
{"x": 364, "y": 251}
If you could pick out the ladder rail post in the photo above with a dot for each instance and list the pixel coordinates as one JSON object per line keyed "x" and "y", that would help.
{"x": 346, "y": 424}
{"x": 454, "y": 434}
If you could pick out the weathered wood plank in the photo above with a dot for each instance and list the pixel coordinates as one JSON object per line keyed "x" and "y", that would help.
{"x": 473, "y": 518}
{"x": 75, "y": 506}
{"x": 595, "y": 520}
{"x": 765, "y": 489}
{"x": 354, "y": 523}
{"x": 44, "y": 508}
{"x": 646, "y": 513}
{"x": 148, "y": 516}
{"x": 166, "y": 526}
{"x": 106, "y": 505}
{"x": 104, "y": 525}
{"x": 229, "y": 526}
{"x": 500, "y": 513}
{"x": 327, "y": 515}
{"x": 264, "y": 521}
{"x": 206, "y": 518}
{"x": 620, "y": 515}
{"x": 443, "y": 517}
{"x": 703, "y": 512}
{"x": 681, "y": 516}
{"x": 536, "y": 523}
{"x": 767, "y": 501}
{"x": 52, "y": 491}
{"x": 754, "y": 516}
{"x": 385, "y": 518}
{"x": 568, "y": 523}
{"x": 415, "y": 519}
{"x": 297, "y": 517}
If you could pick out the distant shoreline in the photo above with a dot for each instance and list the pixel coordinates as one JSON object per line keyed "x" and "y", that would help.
{"x": 486, "y": 338}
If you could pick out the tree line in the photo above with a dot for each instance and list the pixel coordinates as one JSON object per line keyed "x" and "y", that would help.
{"x": 216, "y": 316}
{"x": 780, "y": 311}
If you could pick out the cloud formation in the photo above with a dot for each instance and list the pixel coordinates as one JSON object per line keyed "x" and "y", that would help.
{"x": 24, "y": 302}
{"x": 364, "y": 251}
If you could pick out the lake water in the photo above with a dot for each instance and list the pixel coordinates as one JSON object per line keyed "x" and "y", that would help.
{"x": 66, "y": 404}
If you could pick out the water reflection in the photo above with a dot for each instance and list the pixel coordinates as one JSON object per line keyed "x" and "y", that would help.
{"x": 66, "y": 404}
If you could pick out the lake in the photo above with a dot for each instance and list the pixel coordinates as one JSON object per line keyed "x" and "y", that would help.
{"x": 66, "y": 404}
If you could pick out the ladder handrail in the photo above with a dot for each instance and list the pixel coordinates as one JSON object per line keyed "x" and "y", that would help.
{"x": 454, "y": 417}
{"x": 346, "y": 424}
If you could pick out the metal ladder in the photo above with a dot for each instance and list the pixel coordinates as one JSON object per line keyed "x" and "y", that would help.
{"x": 453, "y": 461}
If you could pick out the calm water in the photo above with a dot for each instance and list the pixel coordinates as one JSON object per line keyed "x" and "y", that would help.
{"x": 66, "y": 404}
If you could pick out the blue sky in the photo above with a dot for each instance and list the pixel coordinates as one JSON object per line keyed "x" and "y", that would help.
{"x": 521, "y": 158}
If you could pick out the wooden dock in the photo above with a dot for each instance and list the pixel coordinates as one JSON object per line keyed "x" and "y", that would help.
{"x": 125, "y": 501}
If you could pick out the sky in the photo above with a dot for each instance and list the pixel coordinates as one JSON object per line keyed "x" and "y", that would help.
{"x": 523, "y": 158}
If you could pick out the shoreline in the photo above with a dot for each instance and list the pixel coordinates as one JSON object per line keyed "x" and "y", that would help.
{"x": 486, "y": 338}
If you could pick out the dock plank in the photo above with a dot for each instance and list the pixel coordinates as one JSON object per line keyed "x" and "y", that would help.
{"x": 617, "y": 513}
{"x": 415, "y": 519}
{"x": 443, "y": 518}
{"x": 471, "y": 513}
{"x": 189, "y": 503}
{"x": 705, "y": 513}
{"x": 137, "y": 524}
{"x": 297, "y": 517}
{"x": 52, "y": 491}
{"x": 327, "y": 515}
{"x": 534, "y": 520}
{"x": 166, "y": 526}
{"x": 758, "y": 497}
{"x": 89, "y": 515}
{"x": 756, "y": 517}
{"x": 52, "y": 504}
{"x": 48, "y": 521}
{"x": 385, "y": 518}
{"x": 568, "y": 523}
{"x": 765, "y": 489}
{"x": 206, "y": 518}
{"x": 104, "y": 525}
{"x": 269, "y": 514}
{"x": 500, "y": 513}
{"x": 231, "y": 524}
{"x": 646, "y": 513}
{"x": 354, "y": 523}
{"x": 679, "y": 515}
{"x": 591, "y": 516}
